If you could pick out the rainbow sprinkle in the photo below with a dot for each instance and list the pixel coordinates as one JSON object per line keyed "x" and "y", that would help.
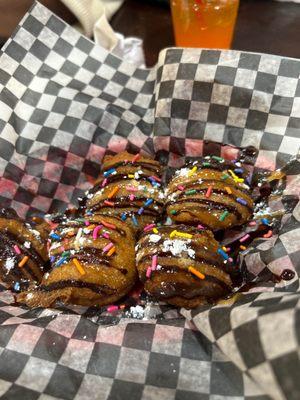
{"x": 155, "y": 230}
{"x": 140, "y": 211}
{"x": 220, "y": 159}
{"x": 78, "y": 266}
{"x": 134, "y": 220}
{"x": 173, "y": 212}
{"x": 109, "y": 203}
{"x": 60, "y": 261}
{"x": 268, "y": 234}
{"x": 113, "y": 192}
{"x": 252, "y": 223}
{"x": 148, "y": 272}
{"x": 223, "y": 254}
{"x": 208, "y": 192}
{"x": 23, "y": 261}
{"x": 148, "y": 202}
{"x": 228, "y": 190}
{"x": 108, "y": 225}
{"x": 155, "y": 178}
{"x": 241, "y": 201}
{"x": 55, "y": 236}
{"x": 108, "y": 247}
{"x": 235, "y": 177}
{"x": 197, "y": 273}
{"x": 149, "y": 227}
{"x": 191, "y": 191}
{"x": 131, "y": 188}
{"x": 135, "y": 158}
{"x": 109, "y": 172}
{"x": 112, "y": 308}
{"x": 104, "y": 182}
{"x": 224, "y": 215}
{"x": 154, "y": 262}
{"x": 96, "y": 231}
{"x": 244, "y": 238}
{"x": 238, "y": 170}
{"x": 180, "y": 187}
{"x": 123, "y": 217}
{"x": 111, "y": 251}
{"x": 180, "y": 234}
{"x": 224, "y": 176}
{"x": 192, "y": 171}
{"x": 17, "y": 249}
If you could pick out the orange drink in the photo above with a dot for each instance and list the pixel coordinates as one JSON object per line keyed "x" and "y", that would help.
{"x": 204, "y": 23}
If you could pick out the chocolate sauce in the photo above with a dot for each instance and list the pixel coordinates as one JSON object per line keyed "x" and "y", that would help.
{"x": 63, "y": 284}
{"x": 123, "y": 203}
{"x": 202, "y": 192}
{"x": 138, "y": 164}
{"x": 195, "y": 287}
{"x": 287, "y": 274}
{"x": 119, "y": 177}
{"x": 9, "y": 240}
{"x": 211, "y": 205}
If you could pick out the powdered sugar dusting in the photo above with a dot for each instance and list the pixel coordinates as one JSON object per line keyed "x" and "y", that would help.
{"x": 9, "y": 263}
{"x": 177, "y": 246}
{"x": 182, "y": 172}
{"x": 154, "y": 238}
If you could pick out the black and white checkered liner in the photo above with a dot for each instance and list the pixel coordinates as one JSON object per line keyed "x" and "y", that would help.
{"x": 66, "y": 102}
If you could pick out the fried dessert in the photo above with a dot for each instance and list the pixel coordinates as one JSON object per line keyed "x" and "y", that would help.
{"x": 129, "y": 187}
{"x": 23, "y": 253}
{"x": 92, "y": 263}
{"x": 211, "y": 192}
{"x": 183, "y": 265}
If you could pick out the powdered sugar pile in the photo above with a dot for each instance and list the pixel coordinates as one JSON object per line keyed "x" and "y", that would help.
{"x": 177, "y": 246}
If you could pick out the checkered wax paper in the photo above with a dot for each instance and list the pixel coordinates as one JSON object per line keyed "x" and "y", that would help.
{"x": 65, "y": 103}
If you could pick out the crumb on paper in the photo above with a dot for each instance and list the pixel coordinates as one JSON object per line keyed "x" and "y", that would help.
{"x": 136, "y": 312}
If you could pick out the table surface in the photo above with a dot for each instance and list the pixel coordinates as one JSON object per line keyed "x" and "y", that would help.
{"x": 262, "y": 26}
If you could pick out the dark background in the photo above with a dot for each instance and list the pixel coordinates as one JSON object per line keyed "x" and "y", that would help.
{"x": 263, "y": 25}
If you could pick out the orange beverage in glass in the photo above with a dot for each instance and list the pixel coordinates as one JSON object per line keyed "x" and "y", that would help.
{"x": 204, "y": 23}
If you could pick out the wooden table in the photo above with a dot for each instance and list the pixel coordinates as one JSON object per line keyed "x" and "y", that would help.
{"x": 262, "y": 26}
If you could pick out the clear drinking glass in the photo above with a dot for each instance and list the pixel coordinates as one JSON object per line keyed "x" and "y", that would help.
{"x": 204, "y": 23}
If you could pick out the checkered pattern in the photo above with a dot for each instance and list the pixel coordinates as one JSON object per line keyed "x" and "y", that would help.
{"x": 230, "y": 97}
{"x": 66, "y": 102}
{"x": 259, "y": 332}
{"x": 49, "y": 354}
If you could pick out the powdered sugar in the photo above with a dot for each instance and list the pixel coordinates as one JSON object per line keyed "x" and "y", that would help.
{"x": 182, "y": 172}
{"x": 177, "y": 246}
{"x": 9, "y": 263}
{"x": 154, "y": 238}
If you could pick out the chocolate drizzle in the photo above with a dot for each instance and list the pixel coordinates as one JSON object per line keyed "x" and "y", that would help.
{"x": 202, "y": 192}
{"x": 136, "y": 164}
{"x": 210, "y": 204}
{"x": 70, "y": 283}
{"x": 9, "y": 240}
{"x": 123, "y": 202}
{"x": 119, "y": 177}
